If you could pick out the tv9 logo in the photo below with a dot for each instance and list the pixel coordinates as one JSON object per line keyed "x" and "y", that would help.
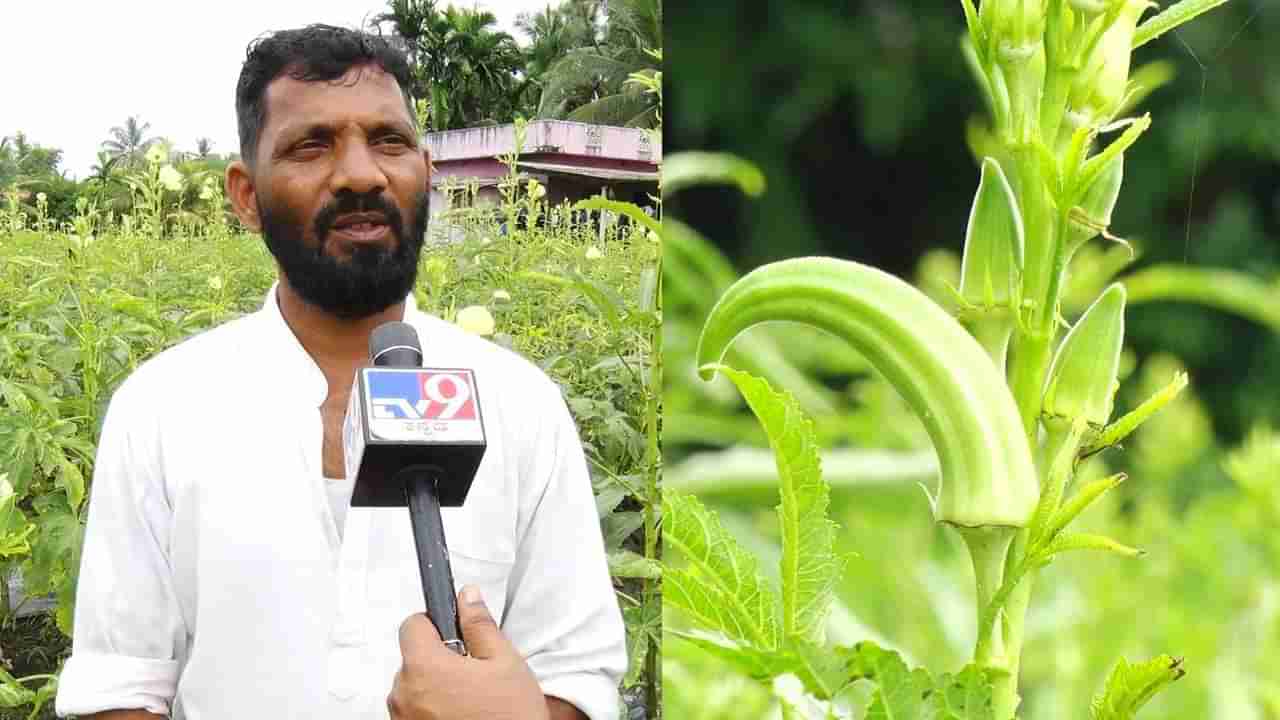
{"x": 421, "y": 394}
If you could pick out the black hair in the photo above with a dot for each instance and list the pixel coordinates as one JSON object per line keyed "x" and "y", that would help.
{"x": 311, "y": 54}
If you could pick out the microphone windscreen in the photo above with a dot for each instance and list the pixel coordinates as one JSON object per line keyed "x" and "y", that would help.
{"x": 395, "y": 344}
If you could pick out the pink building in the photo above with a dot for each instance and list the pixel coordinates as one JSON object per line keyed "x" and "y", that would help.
{"x": 572, "y": 160}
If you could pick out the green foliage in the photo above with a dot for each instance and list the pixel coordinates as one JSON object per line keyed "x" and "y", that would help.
{"x": 1130, "y": 687}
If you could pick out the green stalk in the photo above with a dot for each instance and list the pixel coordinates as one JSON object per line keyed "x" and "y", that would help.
{"x": 989, "y": 549}
{"x": 1004, "y": 687}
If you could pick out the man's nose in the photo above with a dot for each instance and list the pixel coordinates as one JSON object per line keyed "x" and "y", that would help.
{"x": 357, "y": 170}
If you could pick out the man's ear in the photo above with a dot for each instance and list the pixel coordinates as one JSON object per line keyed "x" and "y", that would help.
{"x": 243, "y": 195}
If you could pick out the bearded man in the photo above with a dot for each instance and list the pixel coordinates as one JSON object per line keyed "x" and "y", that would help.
{"x": 223, "y": 573}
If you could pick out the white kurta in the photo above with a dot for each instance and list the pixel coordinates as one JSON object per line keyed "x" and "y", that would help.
{"x": 214, "y": 583}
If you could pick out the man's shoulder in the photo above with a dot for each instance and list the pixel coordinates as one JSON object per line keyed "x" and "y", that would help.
{"x": 196, "y": 361}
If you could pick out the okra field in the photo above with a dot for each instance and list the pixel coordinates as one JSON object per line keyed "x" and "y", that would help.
{"x": 963, "y": 489}
{"x": 84, "y": 301}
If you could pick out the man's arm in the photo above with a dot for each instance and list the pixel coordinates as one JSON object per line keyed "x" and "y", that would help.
{"x": 557, "y": 708}
{"x": 128, "y": 622}
{"x": 562, "y": 613}
{"x": 144, "y": 715}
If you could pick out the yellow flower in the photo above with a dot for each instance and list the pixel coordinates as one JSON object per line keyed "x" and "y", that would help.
{"x": 157, "y": 154}
{"x": 171, "y": 178}
{"x": 475, "y": 319}
{"x": 536, "y": 190}
{"x": 501, "y": 296}
{"x": 593, "y": 253}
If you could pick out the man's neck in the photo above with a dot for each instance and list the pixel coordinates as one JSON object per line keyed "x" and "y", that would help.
{"x": 334, "y": 343}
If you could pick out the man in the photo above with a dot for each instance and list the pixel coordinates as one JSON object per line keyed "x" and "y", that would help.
{"x": 217, "y": 579}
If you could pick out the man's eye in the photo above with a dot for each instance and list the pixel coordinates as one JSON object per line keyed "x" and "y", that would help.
{"x": 393, "y": 139}
{"x": 309, "y": 145}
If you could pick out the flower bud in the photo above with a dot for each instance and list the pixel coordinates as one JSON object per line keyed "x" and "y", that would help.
{"x": 1014, "y": 23}
{"x": 1082, "y": 379}
{"x": 1100, "y": 87}
{"x": 993, "y": 242}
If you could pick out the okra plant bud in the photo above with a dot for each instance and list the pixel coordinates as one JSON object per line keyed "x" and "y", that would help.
{"x": 992, "y": 267}
{"x": 1083, "y": 377}
{"x": 1101, "y": 86}
{"x": 992, "y": 243}
{"x": 987, "y": 472}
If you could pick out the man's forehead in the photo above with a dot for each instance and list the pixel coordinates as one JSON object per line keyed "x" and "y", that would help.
{"x": 364, "y": 90}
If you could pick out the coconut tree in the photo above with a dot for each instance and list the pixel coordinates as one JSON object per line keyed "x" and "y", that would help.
{"x": 461, "y": 65}
{"x": 129, "y": 142}
{"x": 204, "y": 147}
{"x": 553, "y": 32}
{"x": 589, "y": 84}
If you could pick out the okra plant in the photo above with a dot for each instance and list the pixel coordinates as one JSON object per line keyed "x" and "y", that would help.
{"x": 1011, "y": 396}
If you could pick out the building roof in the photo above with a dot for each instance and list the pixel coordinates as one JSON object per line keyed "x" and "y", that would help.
{"x": 558, "y": 137}
{"x": 592, "y": 172}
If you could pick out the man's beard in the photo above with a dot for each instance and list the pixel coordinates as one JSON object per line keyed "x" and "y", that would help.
{"x": 371, "y": 280}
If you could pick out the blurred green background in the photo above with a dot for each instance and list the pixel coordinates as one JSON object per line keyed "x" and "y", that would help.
{"x": 857, "y": 112}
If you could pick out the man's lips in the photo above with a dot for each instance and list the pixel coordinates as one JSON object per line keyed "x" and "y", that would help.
{"x": 363, "y": 231}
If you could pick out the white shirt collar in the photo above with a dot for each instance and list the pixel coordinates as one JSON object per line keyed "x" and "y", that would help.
{"x": 301, "y": 374}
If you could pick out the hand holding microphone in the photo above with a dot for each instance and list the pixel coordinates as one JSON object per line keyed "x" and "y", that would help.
{"x": 494, "y": 683}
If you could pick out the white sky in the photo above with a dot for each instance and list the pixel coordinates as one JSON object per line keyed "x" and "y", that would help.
{"x": 75, "y": 68}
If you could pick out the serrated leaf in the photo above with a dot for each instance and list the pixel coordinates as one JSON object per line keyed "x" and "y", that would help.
{"x": 1129, "y": 687}
{"x": 758, "y": 664}
{"x": 809, "y": 567}
{"x": 724, "y": 590}
{"x": 965, "y": 696}
{"x": 901, "y": 693}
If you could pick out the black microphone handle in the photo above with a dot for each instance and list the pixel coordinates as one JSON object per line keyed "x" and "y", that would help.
{"x": 433, "y": 555}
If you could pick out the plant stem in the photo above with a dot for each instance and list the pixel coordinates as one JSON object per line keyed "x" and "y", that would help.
{"x": 989, "y": 549}
{"x": 1004, "y": 687}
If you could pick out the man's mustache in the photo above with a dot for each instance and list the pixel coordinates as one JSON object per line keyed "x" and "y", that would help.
{"x": 350, "y": 202}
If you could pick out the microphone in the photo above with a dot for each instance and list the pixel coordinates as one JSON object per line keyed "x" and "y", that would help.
{"x": 414, "y": 436}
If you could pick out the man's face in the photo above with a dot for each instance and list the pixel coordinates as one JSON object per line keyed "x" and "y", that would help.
{"x": 341, "y": 190}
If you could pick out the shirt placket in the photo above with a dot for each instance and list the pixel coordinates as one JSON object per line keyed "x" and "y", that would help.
{"x": 347, "y": 636}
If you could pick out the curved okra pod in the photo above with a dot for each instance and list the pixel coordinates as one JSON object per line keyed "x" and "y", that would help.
{"x": 988, "y": 476}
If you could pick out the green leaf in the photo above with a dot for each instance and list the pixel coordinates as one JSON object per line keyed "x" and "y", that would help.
{"x": 902, "y": 693}
{"x": 14, "y": 695}
{"x": 1171, "y": 18}
{"x": 724, "y": 589}
{"x": 1227, "y": 290}
{"x": 628, "y": 564}
{"x": 1120, "y": 429}
{"x": 809, "y": 567}
{"x": 72, "y": 480}
{"x": 1130, "y": 687}
{"x": 1088, "y": 541}
{"x": 635, "y": 212}
{"x": 965, "y": 696}
{"x": 758, "y": 664}
{"x": 685, "y": 169}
